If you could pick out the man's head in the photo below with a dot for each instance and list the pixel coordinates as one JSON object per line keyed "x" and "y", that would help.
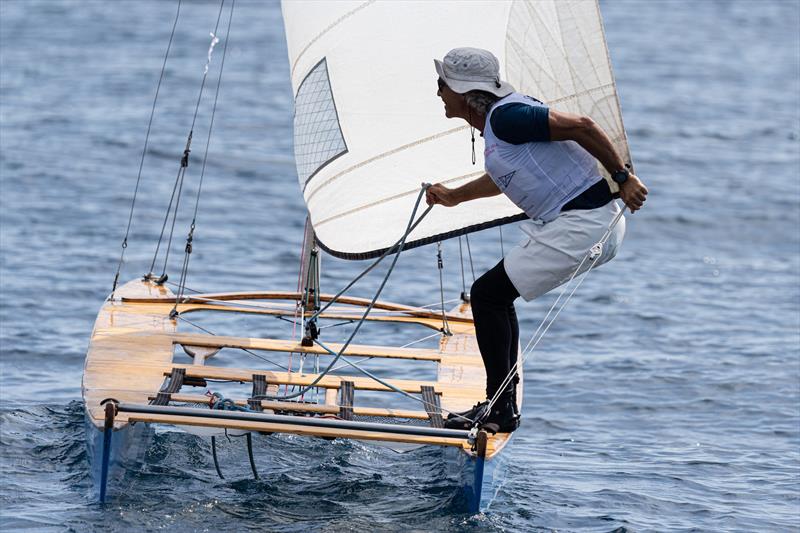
{"x": 469, "y": 69}
{"x": 469, "y": 76}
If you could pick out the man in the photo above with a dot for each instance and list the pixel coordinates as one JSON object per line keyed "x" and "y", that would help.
{"x": 545, "y": 162}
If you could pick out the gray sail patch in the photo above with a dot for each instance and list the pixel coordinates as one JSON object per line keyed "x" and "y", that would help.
{"x": 318, "y": 136}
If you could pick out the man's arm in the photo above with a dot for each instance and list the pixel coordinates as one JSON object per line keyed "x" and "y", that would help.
{"x": 592, "y": 138}
{"x": 478, "y": 188}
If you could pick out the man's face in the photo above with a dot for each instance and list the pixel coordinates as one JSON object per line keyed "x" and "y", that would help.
{"x": 454, "y": 104}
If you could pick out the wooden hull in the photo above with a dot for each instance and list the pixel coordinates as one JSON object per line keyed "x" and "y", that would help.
{"x": 131, "y": 363}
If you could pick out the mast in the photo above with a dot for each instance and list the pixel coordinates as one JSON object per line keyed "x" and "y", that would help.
{"x": 309, "y": 277}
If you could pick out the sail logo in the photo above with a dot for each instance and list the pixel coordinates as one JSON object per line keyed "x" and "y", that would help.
{"x": 506, "y": 178}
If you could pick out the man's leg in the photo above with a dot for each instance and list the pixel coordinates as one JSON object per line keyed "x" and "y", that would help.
{"x": 513, "y": 351}
{"x": 496, "y": 326}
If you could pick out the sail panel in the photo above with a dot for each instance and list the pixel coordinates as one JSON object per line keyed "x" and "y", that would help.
{"x": 371, "y": 129}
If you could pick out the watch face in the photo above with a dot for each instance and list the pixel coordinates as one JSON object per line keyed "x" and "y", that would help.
{"x": 620, "y": 176}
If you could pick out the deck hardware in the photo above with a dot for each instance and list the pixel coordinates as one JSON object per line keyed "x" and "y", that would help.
{"x": 432, "y": 406}
{"x": 259, "y": 391}
{"x": 176, "y": 381}
{"x": 192, "y": 381}
{"x": 346, "y": 402}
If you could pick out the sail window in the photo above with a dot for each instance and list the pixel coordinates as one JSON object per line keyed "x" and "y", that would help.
{"x": 318, "y": 136}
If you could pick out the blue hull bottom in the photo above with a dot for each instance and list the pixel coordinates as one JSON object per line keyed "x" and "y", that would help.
{"x": 110, "y": 455}
{"x": 481, "y": 479}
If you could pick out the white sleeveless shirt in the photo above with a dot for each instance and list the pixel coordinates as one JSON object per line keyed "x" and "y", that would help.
{"x": 539, "y": 177}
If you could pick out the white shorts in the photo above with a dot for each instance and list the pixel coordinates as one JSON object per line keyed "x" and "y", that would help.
{"x": 551, "y": 251}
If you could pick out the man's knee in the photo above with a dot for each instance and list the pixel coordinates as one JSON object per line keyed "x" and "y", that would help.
{"x": 481, "y": 291}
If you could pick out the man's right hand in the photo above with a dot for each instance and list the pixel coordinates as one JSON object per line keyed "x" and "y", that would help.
{"x": 633, "y": 193}
{"x": 439, "y": 194}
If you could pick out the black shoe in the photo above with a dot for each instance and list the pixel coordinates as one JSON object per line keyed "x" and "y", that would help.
{"x": 470, "y": 413}
{"x": 503, "y": 417}
{"x": 465, "y": 419}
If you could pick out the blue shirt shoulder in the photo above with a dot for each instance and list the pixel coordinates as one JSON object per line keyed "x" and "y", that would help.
{"x": 519, "y": 123}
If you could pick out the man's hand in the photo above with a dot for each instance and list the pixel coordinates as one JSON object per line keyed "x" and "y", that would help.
{"x": 439, "y": 194}
{"x": 633, "y": 193}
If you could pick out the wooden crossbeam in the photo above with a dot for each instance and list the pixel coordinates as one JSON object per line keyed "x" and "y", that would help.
{"x": 329, "y": 381}
{"x": 309, "y": 407}
{"x": 132, "y": 372}
{"x": 242, "y": 298}
{"x": 277, "y": 345}
{"x": 163, "y": 309}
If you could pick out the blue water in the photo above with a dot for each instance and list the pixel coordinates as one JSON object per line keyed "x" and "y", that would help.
{"x": 666, "y": 397}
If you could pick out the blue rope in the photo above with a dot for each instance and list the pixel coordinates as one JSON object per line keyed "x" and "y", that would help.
{"x": 226, "y": 404}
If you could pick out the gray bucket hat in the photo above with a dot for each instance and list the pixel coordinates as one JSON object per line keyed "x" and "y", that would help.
{"x": 469, "y": 69}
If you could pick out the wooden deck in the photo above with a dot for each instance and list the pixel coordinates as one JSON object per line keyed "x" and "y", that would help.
{"x": 133, "y": 343}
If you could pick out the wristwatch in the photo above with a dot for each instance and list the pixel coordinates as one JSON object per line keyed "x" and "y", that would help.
{"x": 621, "y": 176}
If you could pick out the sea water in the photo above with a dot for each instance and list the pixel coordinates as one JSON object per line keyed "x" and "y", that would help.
{"x": 665, "y": 397}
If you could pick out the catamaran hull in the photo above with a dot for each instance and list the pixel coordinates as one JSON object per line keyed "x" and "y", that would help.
{"x": 480, "y": 479}
{"x": 112, "y": 454}
{"x": 121, "y": 450}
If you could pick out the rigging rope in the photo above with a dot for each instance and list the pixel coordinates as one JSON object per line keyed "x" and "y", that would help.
{"x": 469, "y": 252}
{"x": 445, "y": 326}
{"x": 592, "y": 255}
{"x": 178, "y": 186}
{"x": 144, "y": 152}
{"x": 192, "y": 226}
{"x": 377, "y": 261}
{"x": 399, "y": 245}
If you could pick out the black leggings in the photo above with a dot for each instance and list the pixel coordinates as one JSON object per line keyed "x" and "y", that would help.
{"x": 496, "y": 327}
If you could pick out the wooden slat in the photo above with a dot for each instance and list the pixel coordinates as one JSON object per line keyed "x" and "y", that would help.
{"x": 275, "y": 345}
{"x": 311, "y": 408}
{"x": 135, "y": 375}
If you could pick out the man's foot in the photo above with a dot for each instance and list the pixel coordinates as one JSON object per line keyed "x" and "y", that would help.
{"x": 466, "y": 419}
{"x": 503, "y": 416}
{"x": 469, "y": 413}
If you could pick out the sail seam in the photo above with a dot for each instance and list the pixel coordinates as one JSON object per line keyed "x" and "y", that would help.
{"x": 380, "y": 156}
{"x": 389, "y": 199}
{"x": 326, "y": 30}
{"x": 579, "y": 94}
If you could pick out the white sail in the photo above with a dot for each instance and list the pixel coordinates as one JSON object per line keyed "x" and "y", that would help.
{"x": 369, "y": 128}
